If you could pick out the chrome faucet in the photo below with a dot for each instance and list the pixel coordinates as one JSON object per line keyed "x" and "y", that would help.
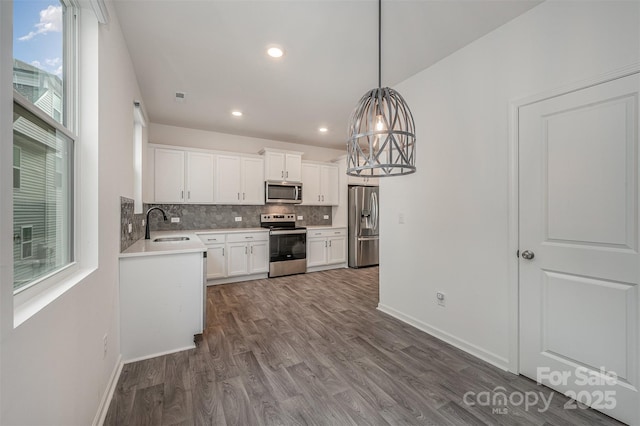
{"x": 147, "y": 233}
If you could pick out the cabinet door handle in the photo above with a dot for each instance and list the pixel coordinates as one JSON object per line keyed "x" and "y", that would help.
{"x": 182, "y": 195}
{"x": 222, "y": 251}
{"x": 282, "y": 173}
{"x": 245, "y": 249}
{"x": 287, "y": 173}
{"x": 318, "y": 198}
{"x": 238, "y": 195}
{"x": 189, "y": 194}
{"x": 243, "y": 194}
{"x": 323, "y": 198}
{"x": 212, "y": 239}
{"x": 329, "y": 243}
{"x": 249, "y": 238}
{"x": 251, "y": 249}
{"x": 325, "y": 243}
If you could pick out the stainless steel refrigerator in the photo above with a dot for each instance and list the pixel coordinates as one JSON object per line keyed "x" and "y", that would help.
{"x": 363, "y": 226}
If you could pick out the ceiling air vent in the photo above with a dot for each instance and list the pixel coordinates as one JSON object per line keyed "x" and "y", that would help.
{"x": 180, "y": 96}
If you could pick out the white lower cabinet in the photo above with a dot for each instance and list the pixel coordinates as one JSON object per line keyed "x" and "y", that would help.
{"x": 161, "y": 302}
{"x": 236, "y": 254}
{"x": 326, "y": 246}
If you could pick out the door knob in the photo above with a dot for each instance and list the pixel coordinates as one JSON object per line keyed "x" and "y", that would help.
{"x": 528, "y": 255}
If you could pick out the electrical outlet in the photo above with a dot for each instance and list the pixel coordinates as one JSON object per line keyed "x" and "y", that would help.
{"x": 440, "y": 298}
{"x": 143, "y": 222}
{"x": 105, "y": 345}
{"x": 326, "y": 216}
{"x": 238, "y": 218}
{"x": 175, "y": 220}
{"x": 130, "y": 228}
{"x": 300, "y": 217}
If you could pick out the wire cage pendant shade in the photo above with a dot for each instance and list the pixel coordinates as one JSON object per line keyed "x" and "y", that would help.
{"x": 382, "y": 140}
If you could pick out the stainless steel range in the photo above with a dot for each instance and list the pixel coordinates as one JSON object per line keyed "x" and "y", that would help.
{"x": 287, "y": 244}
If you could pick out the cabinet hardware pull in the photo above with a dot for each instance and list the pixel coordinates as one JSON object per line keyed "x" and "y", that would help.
{"x": 245, "y": 250}
{"x": 282, "y": 173}
{"x": 223, "y": 251}
{"x": 249, "y": 237}
{"x": 243, "y": 195}
{"x": 325, "y": 243}
{"x": 329, "y": 243}
{"x": 318, "y": 198}
{"x": 189, "y": 194}
{"x": 251, "y": 249}
{"x": 323, "y": 198}
{"x": 182, "y": 195}
{"x": 287, "y": 173}
{"x": 238, "y": 195}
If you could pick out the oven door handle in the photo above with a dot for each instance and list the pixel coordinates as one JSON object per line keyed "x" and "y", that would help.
{"x": 287, "y": 232}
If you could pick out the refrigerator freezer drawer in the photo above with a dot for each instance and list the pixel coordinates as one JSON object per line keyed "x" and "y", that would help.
{"x": 364, "y": 252}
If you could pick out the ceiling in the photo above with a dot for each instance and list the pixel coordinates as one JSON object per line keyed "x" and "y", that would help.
{"x": 215, "y": 52}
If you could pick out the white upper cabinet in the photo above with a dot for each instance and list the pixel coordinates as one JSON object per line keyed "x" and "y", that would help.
{"x": 311, "y": 184}
{"x": 252, "y": 180}
{"x": 199, "y": 177}
{"x": 282, "y": 165}
{"x": 320, "y": 184}
{"x": 362, "y": 180}
{"x": 227, "y": 179}
{"x": 239, "y": 180}
{"x": 329, "y": 186}
{"x": 169, "y": 176}
{"x": 183, "y": 176}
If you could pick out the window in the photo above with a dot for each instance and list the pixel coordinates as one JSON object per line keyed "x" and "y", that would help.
{"x": 43, "y": 139}
{"x": 17, "y": 159}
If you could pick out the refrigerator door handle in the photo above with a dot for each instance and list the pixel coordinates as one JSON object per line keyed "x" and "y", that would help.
{"x": 374, "y": 210}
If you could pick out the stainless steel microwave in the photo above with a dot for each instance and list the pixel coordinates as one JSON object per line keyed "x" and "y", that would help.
{"x": 283, "y": 192}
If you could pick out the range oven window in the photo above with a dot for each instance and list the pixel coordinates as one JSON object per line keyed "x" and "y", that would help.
{"x": 287, "y": 247}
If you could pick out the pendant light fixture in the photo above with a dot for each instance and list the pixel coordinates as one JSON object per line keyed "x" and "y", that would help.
{"x": 382, "y": 140}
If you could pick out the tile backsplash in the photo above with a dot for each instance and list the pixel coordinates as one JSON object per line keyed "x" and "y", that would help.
{"x": 128, "y": 217}
{"x": 200, "y": 216}
{"x": 204, "y": 216}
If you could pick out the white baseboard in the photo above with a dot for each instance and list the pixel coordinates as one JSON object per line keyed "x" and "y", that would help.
{"x": 470, "y": 348}
{"x": 101, "y": 415}
{"x": 236, "y": 279}
{"x": 171, "y": 351}
{"x": 326, "y": 267}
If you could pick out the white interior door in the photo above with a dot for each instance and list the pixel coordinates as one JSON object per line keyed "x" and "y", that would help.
{"x": 578, "y": 209}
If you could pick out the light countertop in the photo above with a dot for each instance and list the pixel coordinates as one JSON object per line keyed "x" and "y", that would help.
{"x": 144, "y": 247}
{"x": 228, "y": 230}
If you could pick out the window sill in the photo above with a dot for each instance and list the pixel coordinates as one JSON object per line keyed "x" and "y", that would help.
{"x": 26, "y": 307}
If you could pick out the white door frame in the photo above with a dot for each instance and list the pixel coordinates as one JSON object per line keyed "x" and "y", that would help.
{"x": 514, "y": 200}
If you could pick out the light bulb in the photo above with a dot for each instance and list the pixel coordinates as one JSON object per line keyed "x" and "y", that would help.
{"x": 379, "y": 123}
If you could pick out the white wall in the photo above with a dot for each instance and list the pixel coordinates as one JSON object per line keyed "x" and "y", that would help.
{"x": 181, "y": 136}
{"x": 53, "y": 370}
{"x": 455, "y": 207}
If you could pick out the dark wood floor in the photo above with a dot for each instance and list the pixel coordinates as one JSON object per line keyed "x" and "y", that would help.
{"x": 313, "y": 350}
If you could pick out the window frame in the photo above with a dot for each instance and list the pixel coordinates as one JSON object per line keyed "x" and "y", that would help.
{"x": 18, "y": 168}
{"x": 69, "y": 129}
{"x": 23, "y": 242}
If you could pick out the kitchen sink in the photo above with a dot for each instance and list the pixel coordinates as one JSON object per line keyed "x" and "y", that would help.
{"x": 168, "y": 239}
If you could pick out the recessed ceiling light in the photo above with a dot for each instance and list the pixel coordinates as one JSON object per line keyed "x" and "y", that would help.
{"x": 323, "y": 130}
{"x": 236, "y": 113}
{"x": 275, "y": 52}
